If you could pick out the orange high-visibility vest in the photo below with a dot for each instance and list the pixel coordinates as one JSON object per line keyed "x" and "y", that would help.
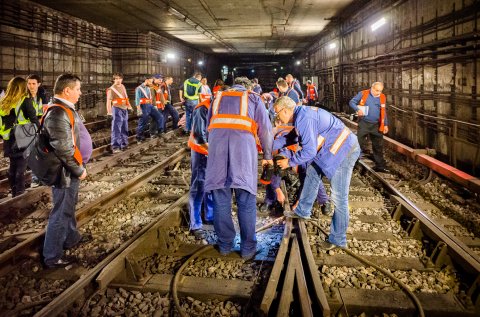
{"x": 239, "y": 121}
{"x": 122, "y": 99}
{"x": 216, "y": 89}
{"x": 311, "y": 92}
{"x": 205, "y": 100}
{"x": 76, "y": 154}
{"x": 383, "y": 101}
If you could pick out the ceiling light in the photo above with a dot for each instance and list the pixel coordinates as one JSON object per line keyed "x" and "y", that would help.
{"x": 200, "y": 63}
{"x": 332, "y": 45}
{"x": 298, "y": 62}
{"x": 253, "y": 70}
{"x": 281, "y": 67}
{"x": 378, "y": 24}
{"x": 190, "y": 22}
{"x": 176, "y": 13}
{"x": 274, "y": 69}
{"x": 171, "y": 56}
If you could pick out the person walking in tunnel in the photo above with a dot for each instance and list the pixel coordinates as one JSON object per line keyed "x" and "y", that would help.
{"x": 370, "y": 106}
{"x": 118, "y": 106}
{"x": 68, "y": 138}
{"x": 145, "y": 108}
{"x": 312, "y": 93}
{"x": 157, "y": 90}
{"x": 16, "y": 110}
{"x": 236, "y": 118}
{"x": 169, "y": 109}
{"x": 199, "y": 152}
{"x": 333, "y": 150}
{"x": 286, "y": 90}
{"x": 191, "y": 91}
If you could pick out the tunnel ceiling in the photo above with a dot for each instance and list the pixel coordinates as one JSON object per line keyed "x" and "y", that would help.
{"x": 214, "y": 26}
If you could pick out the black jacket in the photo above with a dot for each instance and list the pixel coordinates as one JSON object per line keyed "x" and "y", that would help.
{"x": 57, "y": 130}
{"x": 9, "y": 149}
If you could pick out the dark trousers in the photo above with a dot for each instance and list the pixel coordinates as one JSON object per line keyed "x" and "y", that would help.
{"x": 371, "y": 129}
{"x": 148, "y": 111}
{"x": 154, "y": 127}
{"x": 16, "y": 175}
{"x": 61, "y": 230}
{"x": 170, "y": 110}
{"x": 311, "y": 102}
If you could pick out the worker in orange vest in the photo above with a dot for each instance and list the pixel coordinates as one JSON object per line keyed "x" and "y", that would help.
{"x": 370, "y": 106}
{"x": 312, "y": 93}
{"x": 159, "y": 103}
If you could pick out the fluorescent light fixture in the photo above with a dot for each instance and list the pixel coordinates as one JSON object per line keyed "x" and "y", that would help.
{"x": 200, "y": 63}
{"x": 332, "y": 45}
{"x": 190, "y": 22}
{"x": 176, "y": 13}
{"x": 170, "y": 56}
{"x": 298, "y": 63}
{"x": 378, "y": 24}
{"x": 253, "y": 70}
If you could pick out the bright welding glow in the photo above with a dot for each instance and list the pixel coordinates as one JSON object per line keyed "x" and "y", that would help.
{"x": 378, "y": 24}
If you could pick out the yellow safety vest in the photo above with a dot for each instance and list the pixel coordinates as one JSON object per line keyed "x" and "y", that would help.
{"x": 196, "y": 86}
{"x": 38, "y": 106}
{"x": 5, "y": 133}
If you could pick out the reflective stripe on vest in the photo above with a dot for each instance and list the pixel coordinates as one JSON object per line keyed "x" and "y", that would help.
{"x": 38, "y": 106}
{"x": 5, "y": 134}
{"x": 311, "y": 92}
{"x": 233, "y": 121}
{"x": 340, "y": 140}
{"x": 196, "y": 86}
{"x": 148, "y": 97}
{"x": 123, "y": 100}
{"x": 19, "y": 113}
{"x": 192, "y": 143}
{"x": 383, "y": 102}
{"x": 76, "y": 154}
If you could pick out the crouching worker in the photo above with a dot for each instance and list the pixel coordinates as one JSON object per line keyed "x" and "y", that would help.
{"x": 332, "y": 150}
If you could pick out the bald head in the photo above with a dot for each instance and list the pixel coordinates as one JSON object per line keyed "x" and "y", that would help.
{"x": 289, "y": 78}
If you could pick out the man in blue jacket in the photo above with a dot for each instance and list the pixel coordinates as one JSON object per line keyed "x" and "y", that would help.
{"x": 333, "y": 150}
{"x": 236, "y": 117}
{"x": 370, "y": 106}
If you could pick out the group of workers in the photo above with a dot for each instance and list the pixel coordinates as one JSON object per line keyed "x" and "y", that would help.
{"x": 230, "y": 129}
{"x": 227, "y": 129}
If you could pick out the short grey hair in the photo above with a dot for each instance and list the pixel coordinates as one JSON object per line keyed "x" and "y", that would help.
{"x": 244, "y": 81}
{"x": 377, "y": 83}
{"x": 285, "y": 102}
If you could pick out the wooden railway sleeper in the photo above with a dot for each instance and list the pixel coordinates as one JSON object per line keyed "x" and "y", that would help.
{"x": 439, "y": 256}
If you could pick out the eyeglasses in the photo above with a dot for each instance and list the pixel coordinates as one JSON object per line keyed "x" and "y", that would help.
{"x": 277, "y": 112}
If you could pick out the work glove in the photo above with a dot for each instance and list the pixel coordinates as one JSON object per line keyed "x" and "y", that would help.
{"x": 139, "y": 111}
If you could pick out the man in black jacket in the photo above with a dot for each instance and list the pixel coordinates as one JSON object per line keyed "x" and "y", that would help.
{"x": 62, "y": 230}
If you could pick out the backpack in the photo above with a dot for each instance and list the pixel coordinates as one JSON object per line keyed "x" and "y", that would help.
{"x": 42, "y": 160}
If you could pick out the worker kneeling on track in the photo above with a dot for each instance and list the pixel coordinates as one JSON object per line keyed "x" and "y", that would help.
{"x": 236, "y": 117}
{"x": 332, "y": 150}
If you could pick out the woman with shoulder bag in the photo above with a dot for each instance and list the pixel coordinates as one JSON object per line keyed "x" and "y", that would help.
{"x": 16, "y": 110}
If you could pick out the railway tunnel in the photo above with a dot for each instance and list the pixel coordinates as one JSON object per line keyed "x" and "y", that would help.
{"x": 153, "y": 238}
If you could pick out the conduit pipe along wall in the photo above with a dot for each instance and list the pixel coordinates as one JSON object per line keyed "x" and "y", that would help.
{"x": 426, "y": 52}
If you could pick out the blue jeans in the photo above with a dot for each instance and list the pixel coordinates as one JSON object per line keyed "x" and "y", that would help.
{"x": 189, "y": 106}
{"x": 340, "y": 184}
{"x": 322, "y": 196}
{"x": 222, "y": 220}
{"x": 62, "y": 226}
{"x": 197, "y": 192}
{"x": 119, "y": 128}
{"x": 169, "y": 109}
{"x": 148, "y": 111}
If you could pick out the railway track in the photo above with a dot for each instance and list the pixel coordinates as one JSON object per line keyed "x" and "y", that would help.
{"x": 290, "y": 276}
